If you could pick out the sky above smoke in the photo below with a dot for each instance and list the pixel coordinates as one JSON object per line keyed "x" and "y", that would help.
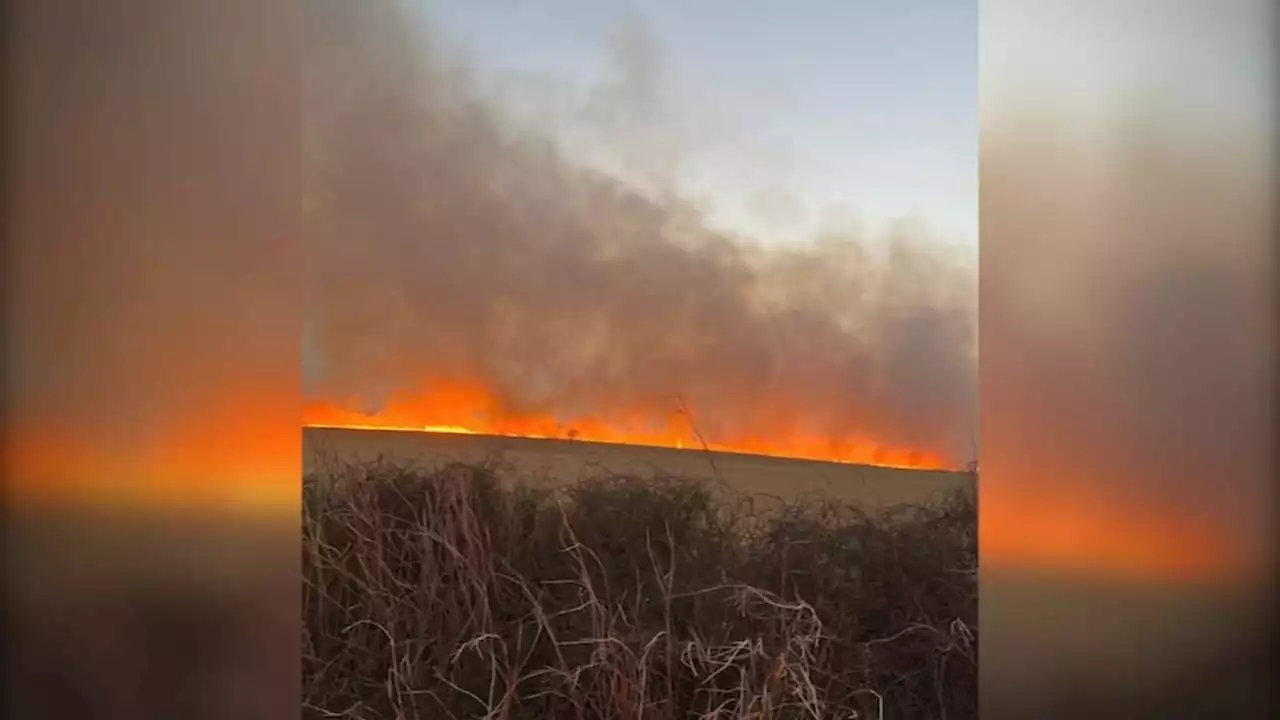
{"x": 788, "y": 117}
{"x": 451, "y": 236}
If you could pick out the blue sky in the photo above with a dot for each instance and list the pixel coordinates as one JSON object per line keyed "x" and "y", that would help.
{"x": 787, "y": 115}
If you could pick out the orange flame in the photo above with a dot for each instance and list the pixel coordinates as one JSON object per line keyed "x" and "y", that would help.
{"x": 472, "y": 407}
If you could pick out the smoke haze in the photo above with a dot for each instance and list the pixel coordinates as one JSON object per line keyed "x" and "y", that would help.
{"x": 447, "y": 242}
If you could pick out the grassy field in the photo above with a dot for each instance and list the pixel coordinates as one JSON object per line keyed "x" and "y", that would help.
{"x": 541, "y": 462}
{"x": 626, "y": 587}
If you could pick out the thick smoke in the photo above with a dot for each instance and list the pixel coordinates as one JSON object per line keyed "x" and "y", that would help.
{"x": 444, "y": 241}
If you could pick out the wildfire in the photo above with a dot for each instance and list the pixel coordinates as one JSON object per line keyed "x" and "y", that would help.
{"x": 471, "y": 408}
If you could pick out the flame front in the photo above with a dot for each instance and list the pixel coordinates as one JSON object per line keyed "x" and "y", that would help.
{"x": 473, "y": 408}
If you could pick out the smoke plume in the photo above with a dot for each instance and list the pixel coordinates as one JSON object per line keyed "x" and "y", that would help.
{"x": 446, "y": 241}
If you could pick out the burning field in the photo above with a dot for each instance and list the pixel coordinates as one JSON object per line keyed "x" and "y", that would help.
{"x": 532, "y": 367}
{"x": 472, "y": 271}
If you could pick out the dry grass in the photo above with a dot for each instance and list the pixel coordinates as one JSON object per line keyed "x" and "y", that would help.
{"x": 450, "y": 594}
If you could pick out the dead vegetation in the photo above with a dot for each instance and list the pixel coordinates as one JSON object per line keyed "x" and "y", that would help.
{"x": 450, "y": 594}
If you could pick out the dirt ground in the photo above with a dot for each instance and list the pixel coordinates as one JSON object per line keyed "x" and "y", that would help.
{"x": 566, "y": 460}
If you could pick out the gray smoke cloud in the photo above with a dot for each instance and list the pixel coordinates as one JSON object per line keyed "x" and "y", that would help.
{"x": 445, "y": 240}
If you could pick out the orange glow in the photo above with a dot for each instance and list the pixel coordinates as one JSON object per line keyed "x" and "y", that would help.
{"x": 1101, "y": 536}
{"x": 241, "y": 460}
{"x": 248, "y": 457}
{"x": 470, "y": 407}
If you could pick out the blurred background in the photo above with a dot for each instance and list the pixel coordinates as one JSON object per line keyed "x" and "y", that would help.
{"x": 1127, "y": 343}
